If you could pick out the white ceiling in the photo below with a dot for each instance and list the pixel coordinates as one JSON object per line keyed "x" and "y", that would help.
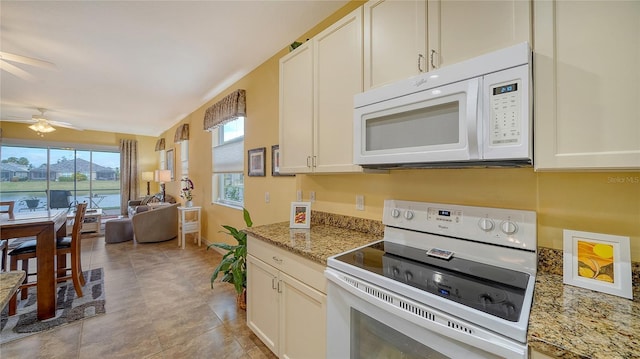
{"x": 140, "y": 66}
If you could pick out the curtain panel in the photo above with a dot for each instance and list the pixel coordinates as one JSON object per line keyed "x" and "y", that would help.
{"x": 128, "y": 173}
{"x": 229, "y": 108}
{"x": 160, "y": 145}
{"x": 182, "y": 133}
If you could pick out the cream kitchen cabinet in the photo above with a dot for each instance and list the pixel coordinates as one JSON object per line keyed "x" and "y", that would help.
{"x": 459, "y": 30}
{"x": 286, "y": 301}
{"x": 586, "y": 85}
{"x": 317, "y": 84}
{"x": 395, "y": 40}
{"x": 404, "y": 38}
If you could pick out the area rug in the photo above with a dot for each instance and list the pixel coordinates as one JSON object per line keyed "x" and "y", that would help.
{"x": 69, "y": 309}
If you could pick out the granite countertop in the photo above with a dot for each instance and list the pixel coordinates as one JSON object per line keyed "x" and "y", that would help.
{"x": 318, "y": 243}
{"x": 9, "y": 282}
{"x": 572, "y": 322}
{"x": 565, "y": 321}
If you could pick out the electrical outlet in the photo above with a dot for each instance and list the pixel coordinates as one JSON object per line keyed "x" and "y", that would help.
{"x": 359, "y": 202}
{"x": 312, "y": 196}
{"x": 267, "y": 197}
{"x": 299, "y": 195}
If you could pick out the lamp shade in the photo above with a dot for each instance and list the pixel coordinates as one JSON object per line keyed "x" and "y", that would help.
{"x": 147, "y": 176}
{"x": 162, "y": 176}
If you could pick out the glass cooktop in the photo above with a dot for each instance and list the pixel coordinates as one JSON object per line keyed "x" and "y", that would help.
{"x": 490, "y": 289}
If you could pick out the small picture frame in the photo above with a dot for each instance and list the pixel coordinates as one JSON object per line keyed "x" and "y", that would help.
{"x": 300, "y": 215}
{"x": 275, "y": 162}
{"x": 600, "y": 262}
{"x": 256, "y": 162}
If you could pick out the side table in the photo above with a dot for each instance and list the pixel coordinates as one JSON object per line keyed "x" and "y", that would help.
{"x": 189, "y": 222}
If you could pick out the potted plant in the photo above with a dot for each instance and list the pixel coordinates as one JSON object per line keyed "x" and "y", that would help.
{"x": 233, "y": 265}
{"x": 31, "y": 202}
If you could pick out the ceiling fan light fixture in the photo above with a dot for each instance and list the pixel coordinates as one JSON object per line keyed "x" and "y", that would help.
{"x": 41, "y": 127}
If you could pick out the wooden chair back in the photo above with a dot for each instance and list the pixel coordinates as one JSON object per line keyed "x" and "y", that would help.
{"x": 9, "y": 210}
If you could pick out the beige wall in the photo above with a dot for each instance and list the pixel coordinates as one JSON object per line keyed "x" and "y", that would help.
{"x": 604, "y": 202}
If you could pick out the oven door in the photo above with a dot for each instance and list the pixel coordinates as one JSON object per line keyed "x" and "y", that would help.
{"x": 432, "y": 125}
{"x": 364, "y": 321}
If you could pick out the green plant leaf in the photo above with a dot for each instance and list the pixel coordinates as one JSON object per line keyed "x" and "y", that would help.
{"x": 247, "y": 217}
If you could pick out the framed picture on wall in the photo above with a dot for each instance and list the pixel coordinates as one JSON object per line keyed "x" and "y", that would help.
{"x": 171, "y": 163}
{"x": 275, "y": 162}
{"x": 256, "y": 163}
{"x": 600, "y": 262}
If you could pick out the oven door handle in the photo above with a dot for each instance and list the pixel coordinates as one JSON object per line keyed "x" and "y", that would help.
{"x": 499, "y": 346}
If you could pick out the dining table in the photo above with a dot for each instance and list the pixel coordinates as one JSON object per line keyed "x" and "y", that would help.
{"x": 46, "y": 226}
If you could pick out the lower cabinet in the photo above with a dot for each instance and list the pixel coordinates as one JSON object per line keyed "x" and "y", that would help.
{"x": 286, "y": 301}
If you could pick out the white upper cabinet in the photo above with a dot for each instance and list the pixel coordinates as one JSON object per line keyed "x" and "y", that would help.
{"x": 587, "y": 84}
{"x": 395, "y": 40}
{"x": 296, "y": 110}
{"x": 317, "y": 83}
{"x": 403, "y": 38}
{"x": 459, "y": 30}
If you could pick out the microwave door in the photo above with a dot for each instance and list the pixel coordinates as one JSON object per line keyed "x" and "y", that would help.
{"x": 433, "y": 125}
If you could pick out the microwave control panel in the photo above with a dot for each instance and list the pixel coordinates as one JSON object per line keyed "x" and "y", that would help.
{"x": 505, "y": 113}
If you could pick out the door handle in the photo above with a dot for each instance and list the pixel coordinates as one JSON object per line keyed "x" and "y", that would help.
{"x": 309, "y": 161}
{"x": 279, "y": 288}
{"x": 273, "y": 283}
{"x": 432, "y": 55}
{"x": 420, "y": 58}
{"x": 315, "y": 161}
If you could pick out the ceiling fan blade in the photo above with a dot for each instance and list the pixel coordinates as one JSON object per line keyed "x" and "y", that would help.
{"x": 64, "y": 124}
{"x": 27, "y": 60}
{"x": 16, "y": 71}
{"x": 18, "y": 120}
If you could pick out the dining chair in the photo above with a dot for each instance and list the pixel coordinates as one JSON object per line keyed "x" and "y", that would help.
{"x": 4, "y": 244}
{"x": 66, "y": 245}
{"x": 9, "y": 209}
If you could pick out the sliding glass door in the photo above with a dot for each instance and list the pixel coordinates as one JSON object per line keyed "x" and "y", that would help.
{"x": 69, "y": 176}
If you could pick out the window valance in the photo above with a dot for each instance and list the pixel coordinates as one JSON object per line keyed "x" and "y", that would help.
{"x": 225, "y": 110}
{"x": 160, "y": 145}
{"x": 182, "y": 133}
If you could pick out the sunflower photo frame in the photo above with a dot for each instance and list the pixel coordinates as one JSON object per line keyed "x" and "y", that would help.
{"x": 600, "y": 262}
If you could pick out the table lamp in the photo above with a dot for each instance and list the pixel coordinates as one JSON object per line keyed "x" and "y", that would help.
{"x": 148, "y": 177}
{"x": 162, "y": 176}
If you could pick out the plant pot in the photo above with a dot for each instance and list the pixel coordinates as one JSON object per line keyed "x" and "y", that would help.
{"x": 241, "y": 299}
{"x": 188, "y": 204}
{"x": 32, "y": 203}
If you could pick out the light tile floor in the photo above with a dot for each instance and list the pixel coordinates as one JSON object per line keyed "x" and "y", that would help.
{"x": 159, "y": 305}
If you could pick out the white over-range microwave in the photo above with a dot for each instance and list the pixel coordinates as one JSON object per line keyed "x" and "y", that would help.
{"x": 474, "y": 113}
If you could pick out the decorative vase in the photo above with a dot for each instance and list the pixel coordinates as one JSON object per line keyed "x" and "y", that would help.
{"x": 188, "y": 203}
{"x": 241, "y": 299}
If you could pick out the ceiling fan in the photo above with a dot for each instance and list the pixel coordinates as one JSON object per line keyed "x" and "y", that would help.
{"x": 42, "y": 125}
{"x": 7, "y": 60}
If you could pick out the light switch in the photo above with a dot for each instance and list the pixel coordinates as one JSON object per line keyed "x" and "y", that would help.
{"x": 267, "y": 197}
{"x": 299, "y": 195}
{"x": 312, "y": 196}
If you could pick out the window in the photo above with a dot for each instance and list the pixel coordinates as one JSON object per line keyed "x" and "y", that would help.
{"x": 228, "y": 163}
{"x": 29, "y": 172}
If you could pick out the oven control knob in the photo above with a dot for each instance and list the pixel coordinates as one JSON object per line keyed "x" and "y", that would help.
{"x": 509, "y": 227}
{"x": 486, "y": 224}
{"x": 408, "y": 215}
{"x": 395, "y": 213}
{"x": 408, "y": 276}
{"x": 396, "y": 271}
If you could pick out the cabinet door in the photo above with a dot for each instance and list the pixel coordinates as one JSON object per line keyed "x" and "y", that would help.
{"x": 337, "y": 77}
{"x": 303, "y": 327}
{"x": 262, "y": 301}
{"x": 395, "y": 40}
{"x": 296, "y": 110}
{"x": 587, "y": 87}
{"x": 460, "y": 30}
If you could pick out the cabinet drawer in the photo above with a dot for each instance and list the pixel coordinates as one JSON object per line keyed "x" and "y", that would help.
{"x": 304, "y": 270}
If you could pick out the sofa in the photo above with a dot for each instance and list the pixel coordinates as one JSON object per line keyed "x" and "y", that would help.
{"x": 156, "y": 225}
{"x": 142, "y": 204}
